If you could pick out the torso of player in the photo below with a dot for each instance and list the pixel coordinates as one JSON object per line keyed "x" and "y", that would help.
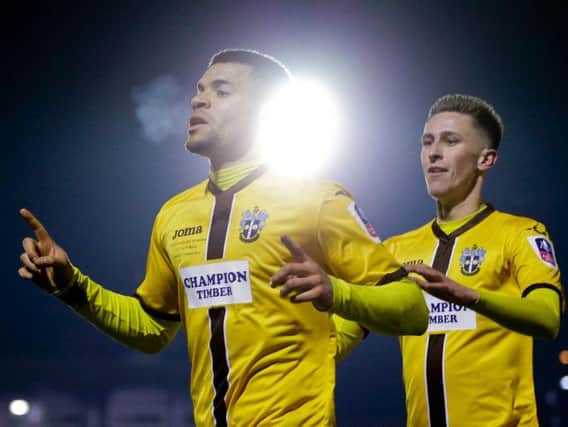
{"x": 266, "y": 336}
{"x": 487, "y": 369}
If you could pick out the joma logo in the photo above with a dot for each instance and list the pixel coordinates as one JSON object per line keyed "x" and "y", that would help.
{"x": 188, "y": 231}
{"x": 413, "y": 262}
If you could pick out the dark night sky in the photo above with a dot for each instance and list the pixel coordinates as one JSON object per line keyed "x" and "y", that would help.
{"x": 75, "y": 152}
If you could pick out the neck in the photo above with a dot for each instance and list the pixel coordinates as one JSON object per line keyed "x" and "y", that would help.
{"x": 454, "y": 209}
{"x": 216, "y": 164}
{"x": 228, "y": 176}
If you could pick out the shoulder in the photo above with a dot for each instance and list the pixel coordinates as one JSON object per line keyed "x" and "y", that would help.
{"x": 174, "y": 203}
{"x": 192, "y": 193}
{"x": 303, "y": 187}
{"x": 411, "y": 235}
{"x": 519, "y": 224}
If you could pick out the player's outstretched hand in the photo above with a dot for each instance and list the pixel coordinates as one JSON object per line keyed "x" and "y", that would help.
{"x": 441, "y": 286}
{"x": 44, "y": 261}
{"x": 303, "y": 279}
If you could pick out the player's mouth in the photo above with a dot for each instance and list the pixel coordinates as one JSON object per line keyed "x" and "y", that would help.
{"x": 195, "y": 121}
{"x": 436, "y": 171}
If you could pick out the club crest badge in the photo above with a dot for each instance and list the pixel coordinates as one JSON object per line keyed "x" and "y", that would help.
{"x": 471, "y": 260}
{"x": 251, "y": 224}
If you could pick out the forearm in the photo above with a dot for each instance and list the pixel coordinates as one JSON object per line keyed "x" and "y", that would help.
{"x": 538, "y": 314}
{"x": 120, "y": 316}
{"x": 397, "y": 308}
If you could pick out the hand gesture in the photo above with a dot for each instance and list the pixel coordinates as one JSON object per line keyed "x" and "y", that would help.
{"x": 44, "y": 261}
{"x": 441, "y": 286}
{"x": 303, "y": 279}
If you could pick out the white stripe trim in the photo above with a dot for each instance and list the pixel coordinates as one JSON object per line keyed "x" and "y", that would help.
{"x": 229, "y": 224}
{"x": 444, "y": 379}
{"x": 227, "y": 361}
{"x": 426, "y": 379}
{"x": 212, "y": 370}
{"x": 432, "y": 257}
{"x": 454, "y": 246}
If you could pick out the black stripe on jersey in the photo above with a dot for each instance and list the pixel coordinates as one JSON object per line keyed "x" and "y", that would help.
{"x": 217, "y": 345}
{"x": 435, "y": 350}
{"x": 217, "y": 315}
{"x": 534, "y": 286}
{"x": 156, "y": 313}
{"x": 392, "y": 277}
{"x": 218, "y": 350}
{"x": 435, "y": 380}
{"x": 219, "y": 224}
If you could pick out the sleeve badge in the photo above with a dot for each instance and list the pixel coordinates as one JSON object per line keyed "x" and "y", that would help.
{"x": 363, "y": 222}
{"x": 544, "y": 250}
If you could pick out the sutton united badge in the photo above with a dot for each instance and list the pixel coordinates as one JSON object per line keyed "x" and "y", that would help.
{"x": 251, "y": 224}
{"x": 471, "y": 260}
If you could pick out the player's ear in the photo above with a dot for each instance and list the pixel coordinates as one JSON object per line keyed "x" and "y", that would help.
{"x": 487, "y": 159}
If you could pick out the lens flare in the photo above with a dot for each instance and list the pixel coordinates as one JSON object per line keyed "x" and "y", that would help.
{"x": 299, "y": 128}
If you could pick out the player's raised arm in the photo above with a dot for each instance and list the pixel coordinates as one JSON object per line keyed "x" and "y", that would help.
{"x": 120, "y": 316}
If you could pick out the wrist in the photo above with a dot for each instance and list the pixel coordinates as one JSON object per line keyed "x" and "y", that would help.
{"x": 323, "y": 305}
{"x": 472, "y": 298}
{"x": 60, "y": 292}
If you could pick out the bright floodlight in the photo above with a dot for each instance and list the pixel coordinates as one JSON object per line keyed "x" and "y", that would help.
{"x": 564, "y": 382}
{"x": 19, "y": 407}
{"x": 298, "y": 129}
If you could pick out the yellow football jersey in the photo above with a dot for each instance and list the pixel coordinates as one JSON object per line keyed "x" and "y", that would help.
{"x": 257, "y": 359}
{"x": 467, "y": 370}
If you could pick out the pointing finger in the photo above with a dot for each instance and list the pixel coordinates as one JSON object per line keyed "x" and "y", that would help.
{"x": 34, "y": 223}
{"x": 296, "y": 251}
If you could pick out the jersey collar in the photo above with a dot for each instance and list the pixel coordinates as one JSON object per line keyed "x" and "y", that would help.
{"x": 471, "y": 223}
{"x": 239, "y": 185}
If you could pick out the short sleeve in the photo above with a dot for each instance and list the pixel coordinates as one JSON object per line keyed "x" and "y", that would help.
{"x": 351, "y": 245}
{"x": 534, "y": 262}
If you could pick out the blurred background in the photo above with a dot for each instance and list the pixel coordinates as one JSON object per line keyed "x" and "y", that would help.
{"x": 96, "y": 99}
